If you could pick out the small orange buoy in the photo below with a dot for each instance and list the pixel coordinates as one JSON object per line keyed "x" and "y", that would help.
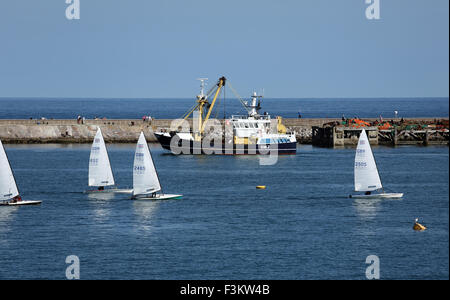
{"x": 418, "y": 227}
{"x": 261, "y": 187}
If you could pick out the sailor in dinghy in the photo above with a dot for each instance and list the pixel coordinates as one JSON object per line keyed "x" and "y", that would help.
{"x": 146, "y": 184}
{"x": 100, "y": 172}
{"x": 9, "y": 193}
{"x": 366, "y": 175}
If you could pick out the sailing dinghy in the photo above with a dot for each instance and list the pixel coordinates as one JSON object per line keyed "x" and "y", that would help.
{"x": 367, "y": 179}
{"x": 9, "y": 193}
{"x": 146, "y": 185}
{"x": 100, "y": 172}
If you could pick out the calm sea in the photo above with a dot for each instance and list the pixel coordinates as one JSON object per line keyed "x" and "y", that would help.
{"x": 303, "y": 226}
{"x": 16, "y": 108}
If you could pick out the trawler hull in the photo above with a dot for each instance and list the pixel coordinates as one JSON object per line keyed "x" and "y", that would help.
{"x": 243, "y": 149}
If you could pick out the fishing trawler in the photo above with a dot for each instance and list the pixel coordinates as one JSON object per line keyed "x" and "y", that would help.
{"x": 252, "y": 133}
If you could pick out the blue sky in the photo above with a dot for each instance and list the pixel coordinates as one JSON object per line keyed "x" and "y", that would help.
{"x": 291, "y": 48}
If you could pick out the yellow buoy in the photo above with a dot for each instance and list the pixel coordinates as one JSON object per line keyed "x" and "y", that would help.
{"x": 418, "y": 227}
{"x": 261, "y": 187}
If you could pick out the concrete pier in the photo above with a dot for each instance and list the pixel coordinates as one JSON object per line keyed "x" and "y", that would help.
{"x": 114, "y": 131}
{"x": 320, "y": 132}
{"x": 70, "y": 131}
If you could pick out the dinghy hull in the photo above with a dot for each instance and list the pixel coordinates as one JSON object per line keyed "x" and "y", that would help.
{"x": 110, "y": 191}
{"x": 378, "y": 196}
{"x": 158, "y": 197}
{"x": 21, "y": 203}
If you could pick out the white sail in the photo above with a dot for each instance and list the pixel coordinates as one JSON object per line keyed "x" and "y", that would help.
{"x": 8, "y": 187}
{"x": 100, "y": 173}
{"x": 145, "y": 178}
{"x": 366, "y": 172}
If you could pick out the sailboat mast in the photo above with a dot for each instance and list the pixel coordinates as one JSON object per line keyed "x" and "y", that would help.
{"x": 12, "y": 171}
{"x": 156, "y": 171}
{"x": 376, "y": 165}
{"x": 107, "y": 155}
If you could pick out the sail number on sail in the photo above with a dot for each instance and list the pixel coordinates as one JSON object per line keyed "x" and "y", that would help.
{"x": 360, "y": 164}
{"x": 139, "y": 169}
{"x": 95, "y": 150}
{"x": 93, "y": 161}
{"x": 140, "y": 156}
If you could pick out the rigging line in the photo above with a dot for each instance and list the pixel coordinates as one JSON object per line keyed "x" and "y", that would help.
{"x": 239, "y": 97}
{"x": 212, "y": 90}
{"x": 190, "y": 111}
{"x": 218, "y": 105}
{"x": 187, "y": 114}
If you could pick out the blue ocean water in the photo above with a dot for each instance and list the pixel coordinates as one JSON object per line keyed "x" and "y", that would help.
{"x": 16, "y": 108}
{"x": 303, "y": 226}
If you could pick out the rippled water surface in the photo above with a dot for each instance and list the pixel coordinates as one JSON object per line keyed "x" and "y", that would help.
{"x": 303, "y": 226}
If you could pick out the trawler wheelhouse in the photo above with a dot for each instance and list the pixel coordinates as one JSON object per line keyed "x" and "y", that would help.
{"x": 243, "y": 126}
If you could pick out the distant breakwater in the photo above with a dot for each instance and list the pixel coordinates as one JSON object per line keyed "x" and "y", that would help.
{"x": 32, "y": 131}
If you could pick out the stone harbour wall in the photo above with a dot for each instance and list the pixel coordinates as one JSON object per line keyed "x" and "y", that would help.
{"x": 122, "y": 131}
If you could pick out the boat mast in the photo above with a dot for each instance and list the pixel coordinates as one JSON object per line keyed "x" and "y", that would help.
{"x": 255, "y": 106}
{"x": 156, "y": 171}
{"x": 12, "y": 171}
{"x": 202, "y": 100}
{"x": 202, "y": 87}
{"x": 107, "y": 155}
{"x": 374, "y": 159}
{"x": 220, "y": 84}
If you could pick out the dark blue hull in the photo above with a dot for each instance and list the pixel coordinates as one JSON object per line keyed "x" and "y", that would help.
{"x": 194, "y": 148}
